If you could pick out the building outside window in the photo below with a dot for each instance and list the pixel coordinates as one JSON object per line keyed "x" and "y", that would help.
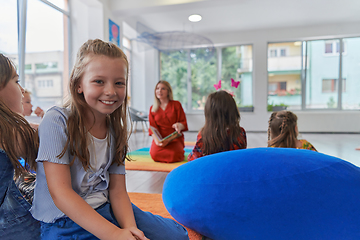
{"x": 45, "y": 83}
{"x": 46, "y": 56}
{"x": 330, "y": 85}
{"x": 284, "y": 75}
{"x": 333, "y": 47}
{"x": 308, "y": 79}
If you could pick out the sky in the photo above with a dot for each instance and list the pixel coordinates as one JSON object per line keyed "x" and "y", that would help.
{"x": 44, "y": 27}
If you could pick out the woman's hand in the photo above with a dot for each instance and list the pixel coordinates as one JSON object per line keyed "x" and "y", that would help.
{"x": 178, "y": 127}
{"x": 161, "y": 144}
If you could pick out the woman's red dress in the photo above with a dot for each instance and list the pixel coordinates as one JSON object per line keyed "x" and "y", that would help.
{"x": 163, "y": 121}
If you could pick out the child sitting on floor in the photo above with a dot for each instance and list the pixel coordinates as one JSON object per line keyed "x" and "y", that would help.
{"x": 222, "y": 131}
{"x": 283, "y": 131}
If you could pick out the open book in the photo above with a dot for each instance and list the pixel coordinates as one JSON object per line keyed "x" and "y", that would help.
{"x": 169, "y": 137}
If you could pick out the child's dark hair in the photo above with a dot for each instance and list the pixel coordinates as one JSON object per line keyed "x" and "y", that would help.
{"x": 17, "y": 137}
{"x": 77, "y": 134}
{"x": 222, "y": 124}
{"x": 282, "y": 129}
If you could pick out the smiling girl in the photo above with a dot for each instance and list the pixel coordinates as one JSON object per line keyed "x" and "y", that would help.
{"x": 81, "y": 189}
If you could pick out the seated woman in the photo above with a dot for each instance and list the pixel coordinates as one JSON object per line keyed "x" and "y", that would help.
{"x": 283, "y": 132}
{"x": 222, "y": 131}
{"x": 167, "y": 116}
{"x": 17, "y": 139}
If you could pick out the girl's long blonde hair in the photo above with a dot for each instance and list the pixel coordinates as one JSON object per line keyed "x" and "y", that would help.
{"x": 156, "y": 104}
{"x": 282, "y": 129}
{"x": 77, "y": 133}
{"x": 18, "y": 138}
{"x": 222, "y": 124}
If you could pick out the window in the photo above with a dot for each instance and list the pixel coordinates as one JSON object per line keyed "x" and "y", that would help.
{"x": 273, "y": 53}
{"x": 237, "y": 64}
{"x": 351, "y": 72}
{"x": 306, "y": 78}
{"x": 283, "y": 52}
{"x": 328, "y": 48}
{"x": 278, "y": 51}
{"x": 8, "y": 32}
{"x": 333, "y": 47}
{"x": 47, "y": 52}
{"x": 59, "y": 3}
{"x": 48, "y": 66}
{"x": 330, "y": 85}
{"x": 202, "y": 71}
{"x": 203, "y": 76}
{"x": 45, "y": 83}
{"x": 284, "y": 75}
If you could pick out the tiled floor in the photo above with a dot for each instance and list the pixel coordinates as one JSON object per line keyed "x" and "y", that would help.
{"x": 338, "y": 145}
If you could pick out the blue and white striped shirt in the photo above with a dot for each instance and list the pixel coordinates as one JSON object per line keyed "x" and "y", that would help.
{"x": 91, "y": 184}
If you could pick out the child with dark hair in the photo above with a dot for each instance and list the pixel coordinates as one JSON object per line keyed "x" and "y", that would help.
{"x": 283, "y": 132}
{"x": 222, "y": 131}
{"x": 17, "y": 140}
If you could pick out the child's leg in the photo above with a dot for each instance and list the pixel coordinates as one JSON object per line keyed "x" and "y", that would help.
{"x": 157, "y": 227}
{"x": 65, "y": 228}
{"x": 153, "y": 226}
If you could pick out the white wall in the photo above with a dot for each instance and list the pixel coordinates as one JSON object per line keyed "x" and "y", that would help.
{"x": 86, "y": 22}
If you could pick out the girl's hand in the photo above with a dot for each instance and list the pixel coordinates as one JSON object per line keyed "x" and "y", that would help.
{"x": 178, "y": 127}
{"x": 39, "y": 112}
{"x": 122, "y": 234}
{"x": 139, "y": 235}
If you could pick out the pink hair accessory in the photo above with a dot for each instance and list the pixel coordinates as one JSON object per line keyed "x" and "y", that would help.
{"x": 218, "y": 85}
{"x": 234, "y": 83}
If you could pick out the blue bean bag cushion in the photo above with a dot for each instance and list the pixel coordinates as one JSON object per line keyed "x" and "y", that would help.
{"x": 266, "y": 193}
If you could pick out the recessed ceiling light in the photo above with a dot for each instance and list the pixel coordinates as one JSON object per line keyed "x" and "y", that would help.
{"x": 195, "y": 18}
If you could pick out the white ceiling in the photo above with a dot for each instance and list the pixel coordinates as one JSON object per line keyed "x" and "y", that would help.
{"x": 235, "y": 15}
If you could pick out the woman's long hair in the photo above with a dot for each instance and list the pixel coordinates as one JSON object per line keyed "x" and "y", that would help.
{"x": 156, "y": 104}
{"x": 222, "y": 124}
{"x": 18, "y": 138}
{"x": 77, "y": 133}
{"x": 282, "y": 129}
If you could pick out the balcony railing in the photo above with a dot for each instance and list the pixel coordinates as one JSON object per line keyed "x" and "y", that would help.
{"x": 284, "y": 63}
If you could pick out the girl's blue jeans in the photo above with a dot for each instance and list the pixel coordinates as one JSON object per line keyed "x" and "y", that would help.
{"x": 153, "y": 226}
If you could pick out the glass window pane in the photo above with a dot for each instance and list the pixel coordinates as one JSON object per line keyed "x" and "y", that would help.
{"x": 322, "y": 73}
{"x": 174, "y": 70}
{"x": 284, "y": 75}
{"x": 46, "y": 58}
{"x": 351, "y": 74}
{"x": 59, "y": 3}
{"x": 237, "y": 64}
{"x": 203, "y": 76}
{"x": 8, "y": 30}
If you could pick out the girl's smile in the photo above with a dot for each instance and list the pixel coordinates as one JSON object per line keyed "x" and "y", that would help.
{"x": 103, "y": 84}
